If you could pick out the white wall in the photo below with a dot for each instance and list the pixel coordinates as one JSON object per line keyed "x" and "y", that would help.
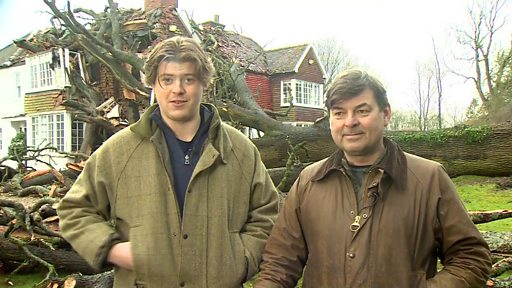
{"x": 11, "y": 100}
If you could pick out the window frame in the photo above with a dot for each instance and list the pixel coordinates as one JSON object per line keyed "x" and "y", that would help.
{"x": 77, "y": 135}
{"x": 48, "y": 129}
{"x": 41, "y": 75}
{"x": 303, "y": 93}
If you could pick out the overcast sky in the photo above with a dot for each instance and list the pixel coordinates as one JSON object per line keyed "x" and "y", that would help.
{"x": 386, "y": 37}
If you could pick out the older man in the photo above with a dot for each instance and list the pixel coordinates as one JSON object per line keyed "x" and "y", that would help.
{"x": 371, "y": 215}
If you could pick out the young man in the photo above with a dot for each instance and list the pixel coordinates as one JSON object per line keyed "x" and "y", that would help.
{"x": 371, "y": 215}
{"x": 179, "y": 199}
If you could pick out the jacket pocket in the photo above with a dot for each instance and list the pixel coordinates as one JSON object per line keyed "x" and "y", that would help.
{"x": 239, "y": 265}
{"x": 138, "y": 241}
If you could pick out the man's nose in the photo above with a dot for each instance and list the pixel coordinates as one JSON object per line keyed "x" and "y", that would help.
{"x": 351, "y": 120}
{"x": 177, "y": 86}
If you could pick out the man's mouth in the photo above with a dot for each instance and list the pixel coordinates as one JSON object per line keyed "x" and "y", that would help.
{"x": 352, "y": 135}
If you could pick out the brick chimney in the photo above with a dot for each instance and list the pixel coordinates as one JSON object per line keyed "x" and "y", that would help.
{"x": 152, "y": 4}
{"x": 215, "y": 24}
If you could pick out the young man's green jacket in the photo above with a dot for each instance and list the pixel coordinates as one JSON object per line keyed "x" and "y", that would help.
{"x": 125, "y": 193}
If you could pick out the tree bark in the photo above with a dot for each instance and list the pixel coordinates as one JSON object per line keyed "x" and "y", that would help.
{"x": 101, "y": 280}
{"x": 479, "y": 217}
{"x": 62, "y": 259}
{"x": 491, "y": 157}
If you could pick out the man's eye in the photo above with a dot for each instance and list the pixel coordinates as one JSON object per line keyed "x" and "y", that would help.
{"x": 190, "y": 80}
{"x": 166, "y": 81}
{"x": 363, "y": 111}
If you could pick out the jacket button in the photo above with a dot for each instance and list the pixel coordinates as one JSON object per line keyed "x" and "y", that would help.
{"x": 185, "y": 236}
{"x": 351, "y": 255}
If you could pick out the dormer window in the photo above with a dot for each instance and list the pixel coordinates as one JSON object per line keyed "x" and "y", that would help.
{"x": 302, "y": 93}
{"x": 47, "y": 70}
{"x": 41, "y": 75}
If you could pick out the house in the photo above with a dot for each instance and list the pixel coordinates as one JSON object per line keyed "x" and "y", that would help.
{"x": 277, "y": 78}
{"x": 297, "y": 78}
{"x": 12, "y": 117}
{"x": 286, "y": 82}
{"x": 48, "y": 122}
{"x": 33, "y": 98}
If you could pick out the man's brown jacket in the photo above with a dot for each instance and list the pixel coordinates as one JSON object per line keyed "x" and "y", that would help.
{"x": 411, "y": 216}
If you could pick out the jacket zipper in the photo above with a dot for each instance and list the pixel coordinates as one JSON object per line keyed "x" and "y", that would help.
{"x": 354, "y": 227}
{"x": 171, "y": 185}
{"x": 189, "y": 182}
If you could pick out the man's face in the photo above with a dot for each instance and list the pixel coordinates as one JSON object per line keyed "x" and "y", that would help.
{"x": 357, "y": 127}
{"x": 178, "y": 92}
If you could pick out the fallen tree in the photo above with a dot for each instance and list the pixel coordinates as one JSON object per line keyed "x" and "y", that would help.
{"x": 464, "y": 150}
{"x": 65, "y": 259}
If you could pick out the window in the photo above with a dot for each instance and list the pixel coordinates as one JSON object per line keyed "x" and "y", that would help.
{"x": 286, "y": 91}
{"x": 18, "y": 84}
{"x": 77, "y": 135}
{"x": 252, "y": 133}
{"x": 302, "y": 93}
{"x": 299, "y": 124}
{"x": 59, "y": 131}
{"x": 299, "y": 93}
{"x": 48, "y": 130}
{"x": 41, "y": 74}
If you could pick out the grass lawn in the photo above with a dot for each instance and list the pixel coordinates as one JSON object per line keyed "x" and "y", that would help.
{"x": 481, "y": 194}
{"x": 21, "y": 280}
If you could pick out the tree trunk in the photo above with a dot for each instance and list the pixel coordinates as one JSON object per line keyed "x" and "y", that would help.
{"x": 62, "y": 259}
{"x": 274, "y": 148}
{"x": 459, "y": 155}
{"x": 277, "y": 175}
{"x": 101, "y": 280}
{"x": 479, "y": 217}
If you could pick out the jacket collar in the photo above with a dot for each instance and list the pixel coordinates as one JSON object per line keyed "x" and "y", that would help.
{"x": 218, "y": 137}
{"x": 393, "y": 163}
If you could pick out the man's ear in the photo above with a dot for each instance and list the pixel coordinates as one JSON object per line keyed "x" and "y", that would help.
{"x": 387, "y": 115}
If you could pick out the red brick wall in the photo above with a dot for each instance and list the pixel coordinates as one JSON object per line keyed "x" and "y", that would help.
{"x": 260, "y": 88}
{"x": 108, "y": 86}
{"x": 306, "y": 72}
{"x": 310, "y": 72}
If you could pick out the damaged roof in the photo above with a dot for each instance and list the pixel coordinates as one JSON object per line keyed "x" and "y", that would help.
{"x": 6, "y": 53}
{"x": 251, "y": 55}
{"x": 239, "y": 48}
{"x": 12, "y": 54}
